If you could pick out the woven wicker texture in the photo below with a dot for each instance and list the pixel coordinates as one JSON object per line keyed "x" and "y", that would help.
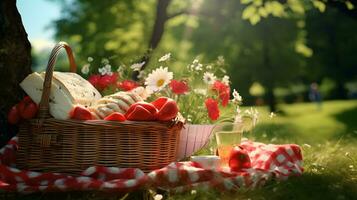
{"x": 70, "y": 146}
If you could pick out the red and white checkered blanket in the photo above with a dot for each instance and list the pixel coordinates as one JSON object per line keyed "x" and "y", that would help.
{"x": 268, "y": 161}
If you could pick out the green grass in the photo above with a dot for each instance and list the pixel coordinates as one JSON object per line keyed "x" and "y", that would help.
{"x": 329, "y": 141}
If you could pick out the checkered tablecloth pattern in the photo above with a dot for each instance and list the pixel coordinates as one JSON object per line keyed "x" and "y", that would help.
{"x": 268, "y": 162}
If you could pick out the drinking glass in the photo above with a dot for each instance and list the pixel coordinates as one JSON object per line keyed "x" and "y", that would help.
{"x": 227, "y": 136}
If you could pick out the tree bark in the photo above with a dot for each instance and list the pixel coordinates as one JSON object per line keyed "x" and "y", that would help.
{"x": 15, "y": 55}
{"x": 269, "y": 75}
{"x": 157, "y": 32}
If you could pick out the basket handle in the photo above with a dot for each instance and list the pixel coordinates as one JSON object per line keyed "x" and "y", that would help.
{"x": 44, "y": 103}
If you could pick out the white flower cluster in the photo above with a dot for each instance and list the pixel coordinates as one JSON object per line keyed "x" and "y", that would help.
{"x": 220, "y": 60}
{"x": 85, "y": 69}
{"x": 195, "y": 66}
{"x": 236, "y": 97}
{"x": 238, "y": 117}
{"x": 106, "y": 70}
{"x": 165, "y": 57}
{"x": 137, "y": 66}
{"x": 225, "y": 80}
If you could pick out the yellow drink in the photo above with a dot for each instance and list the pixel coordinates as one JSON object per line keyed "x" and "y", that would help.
{"x": 226, "y": 140}
{"x": 223, "y": 152}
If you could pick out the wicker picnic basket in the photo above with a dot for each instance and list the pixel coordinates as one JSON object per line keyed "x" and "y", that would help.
{"x": 70, "y": 146}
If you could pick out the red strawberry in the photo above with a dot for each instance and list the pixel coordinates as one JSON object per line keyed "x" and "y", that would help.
{"x": 239, "y": 159}
{"x": 81, "y": 113}
{"x": 116, "y": 116}
{"x": 139, "y": 113}
{"x": 13, "y": 116}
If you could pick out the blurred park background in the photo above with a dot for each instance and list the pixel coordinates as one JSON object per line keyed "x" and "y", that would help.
{"x": 274, "y": 49}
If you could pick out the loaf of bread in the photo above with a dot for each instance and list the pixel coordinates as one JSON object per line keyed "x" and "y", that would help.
{"x": 67, "y": 90}
{"x": 118, "y": 102}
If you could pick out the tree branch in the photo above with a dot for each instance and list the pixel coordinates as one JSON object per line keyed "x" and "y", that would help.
{"x": 177, "y": 14}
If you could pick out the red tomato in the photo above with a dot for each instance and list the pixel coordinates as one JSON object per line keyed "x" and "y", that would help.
{"x": 13, "y": 116}
{"x": 239, "y": 159}
{"x": 116, "y": 116}
{"x": 81, "y": 113}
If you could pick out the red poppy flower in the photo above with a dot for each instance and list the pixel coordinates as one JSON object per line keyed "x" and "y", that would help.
{"x": 101, "y": 82}
{"x": 224, "y": 92}
{"x": 179, "y": 87}
{"x": 212, "y": 108}
{"x": 94, "y": 79}
{"x": 127, "y": 85}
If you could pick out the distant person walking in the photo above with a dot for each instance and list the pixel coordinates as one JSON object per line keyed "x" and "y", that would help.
{"x": 315, "y": 95}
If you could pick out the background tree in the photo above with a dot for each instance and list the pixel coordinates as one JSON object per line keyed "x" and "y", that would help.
{"x": 266, "y": 41}
{"x": 15, "y": 61}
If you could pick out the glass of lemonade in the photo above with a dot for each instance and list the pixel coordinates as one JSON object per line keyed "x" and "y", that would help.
{"x": 227, "y": 136}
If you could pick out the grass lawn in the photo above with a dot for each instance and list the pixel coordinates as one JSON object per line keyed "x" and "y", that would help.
{"x": 329, "y": 140}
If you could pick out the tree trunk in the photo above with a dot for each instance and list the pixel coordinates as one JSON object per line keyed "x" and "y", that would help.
{"x": 269, "y": 75}
{"x": 15, "y": 57}
{"x": 157, "y": 32}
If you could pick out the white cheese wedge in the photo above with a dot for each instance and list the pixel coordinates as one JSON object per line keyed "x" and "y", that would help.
{"x": 67, "y": 91}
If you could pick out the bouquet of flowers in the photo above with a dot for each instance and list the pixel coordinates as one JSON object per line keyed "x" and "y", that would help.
{"x": 202, "y": 91}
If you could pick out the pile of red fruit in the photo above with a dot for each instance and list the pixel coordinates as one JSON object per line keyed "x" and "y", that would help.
{"x": 26, "y": 109}
{"x": 162, "y": 109}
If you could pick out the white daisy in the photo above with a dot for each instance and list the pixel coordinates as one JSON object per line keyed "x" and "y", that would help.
{"x": 158, "y": 79}
{"x": 85, "y": 69}
{"x": 236, "y": 97}
{"x": 90, "y": 59}
{"x": 165, "y": 57}
{"x": 225, "y": 80}
{"x": 209, "y": 78}
{"x": 137, "y": 66}
{"x": 209, "y": 67}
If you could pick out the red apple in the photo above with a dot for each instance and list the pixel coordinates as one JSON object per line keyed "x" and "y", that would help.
{"x": 239, "y": 159}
